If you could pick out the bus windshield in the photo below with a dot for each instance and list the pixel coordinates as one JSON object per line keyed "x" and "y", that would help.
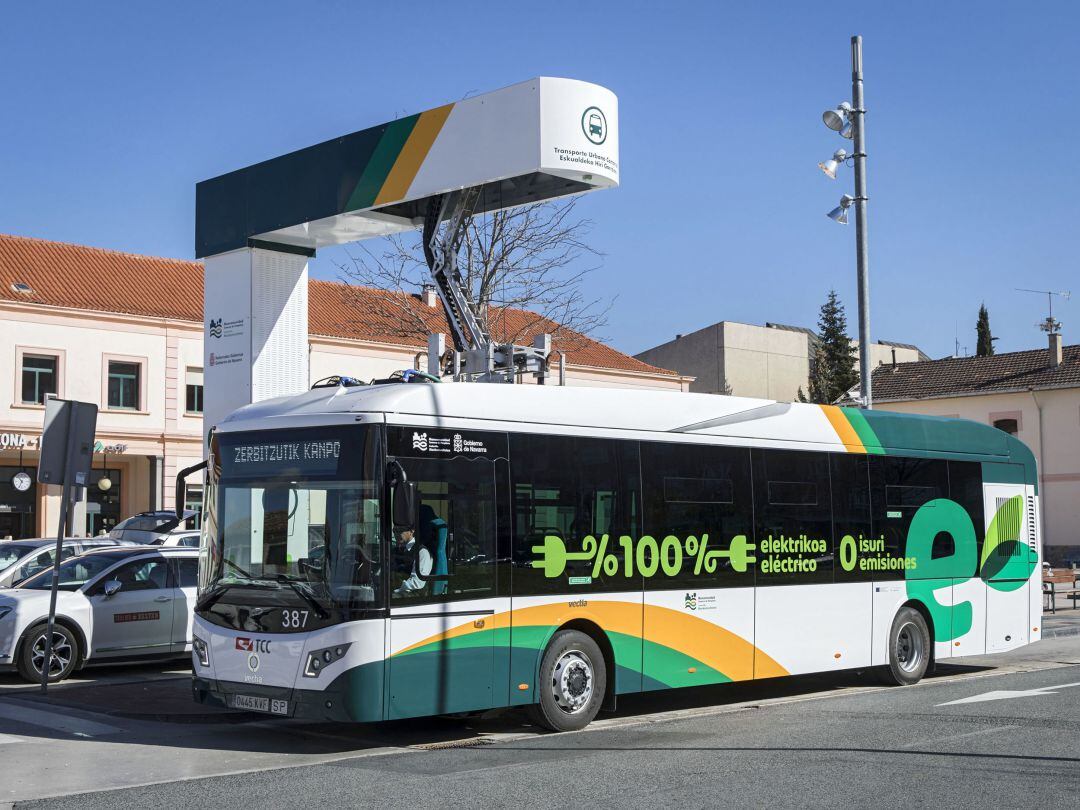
{"x": 291, "y": 524}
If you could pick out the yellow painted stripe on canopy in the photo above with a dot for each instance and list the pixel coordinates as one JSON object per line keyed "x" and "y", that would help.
{"x": 844, "y": 431}
{"x": 412, "y": 155}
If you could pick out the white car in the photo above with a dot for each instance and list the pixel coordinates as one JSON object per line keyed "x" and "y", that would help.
{"x": 116, "y": 604}
{"x": 22, "y": 559}
{"x": 146, "y": 527}
{"x": 187, "y": 538}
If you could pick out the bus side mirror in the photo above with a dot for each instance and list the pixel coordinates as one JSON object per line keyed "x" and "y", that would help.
{"x": 181, "y": 486}
{"x": 404, "y": 513}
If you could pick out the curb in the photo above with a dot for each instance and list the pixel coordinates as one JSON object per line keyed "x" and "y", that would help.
{"x": 1063, "y": 632}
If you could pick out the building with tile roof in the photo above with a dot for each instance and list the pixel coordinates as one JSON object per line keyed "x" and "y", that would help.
{"x": 770, "y": 362}
{"x": 126, "y": 331}
{"x": 1034, "y": 395}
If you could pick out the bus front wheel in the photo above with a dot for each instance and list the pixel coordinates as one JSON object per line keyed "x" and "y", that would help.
{"x": 572, "y": 683}
{"x": 910, "y": 648}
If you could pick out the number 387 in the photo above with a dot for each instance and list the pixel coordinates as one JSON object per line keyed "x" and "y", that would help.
{"x": 293, "y": 619}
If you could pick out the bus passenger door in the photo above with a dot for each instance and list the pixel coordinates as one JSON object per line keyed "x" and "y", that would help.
{"x": 443, "y": 604}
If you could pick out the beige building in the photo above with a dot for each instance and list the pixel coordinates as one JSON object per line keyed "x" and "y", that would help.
{"x": 1034, "y": 395}
{"x": 126, "y": 332}
{"x": 770, "y": 362}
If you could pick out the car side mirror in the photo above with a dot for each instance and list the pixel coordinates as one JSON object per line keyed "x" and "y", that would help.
{"x": 112, "y": 587}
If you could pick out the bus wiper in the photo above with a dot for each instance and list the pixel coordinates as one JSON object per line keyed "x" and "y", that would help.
{"x": 304, "y": 594}
{"x": 210, "y": 597}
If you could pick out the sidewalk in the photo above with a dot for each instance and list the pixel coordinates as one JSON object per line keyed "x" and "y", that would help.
{"x": 1066, "y": 622}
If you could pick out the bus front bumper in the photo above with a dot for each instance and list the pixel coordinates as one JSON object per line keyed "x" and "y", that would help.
{"x": 325, "y": 706}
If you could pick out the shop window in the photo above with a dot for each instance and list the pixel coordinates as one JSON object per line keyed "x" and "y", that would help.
{"x": 193, "y": 402}
{"x": 124, "y": 382}
{"x": 40, "y": 373}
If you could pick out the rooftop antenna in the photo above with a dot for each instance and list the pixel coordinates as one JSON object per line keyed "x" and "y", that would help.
{"x": 1050, "y": 325}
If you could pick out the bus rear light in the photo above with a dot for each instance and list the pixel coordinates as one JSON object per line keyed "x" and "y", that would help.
{"x": 318, "y": 659}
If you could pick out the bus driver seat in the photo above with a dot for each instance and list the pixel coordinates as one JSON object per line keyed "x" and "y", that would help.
{"x": 433, "y": 535}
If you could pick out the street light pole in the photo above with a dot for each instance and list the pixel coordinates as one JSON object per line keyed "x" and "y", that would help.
{"x": 861, "y": 253}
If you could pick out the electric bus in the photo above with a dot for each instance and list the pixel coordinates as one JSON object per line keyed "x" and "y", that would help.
{"x": 374, "y": 552}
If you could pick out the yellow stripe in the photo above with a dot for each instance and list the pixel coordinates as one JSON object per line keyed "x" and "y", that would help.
{"x": 844, "y": 431}
{"x": 710, "y": 644}
{"x": 412, "y": 155}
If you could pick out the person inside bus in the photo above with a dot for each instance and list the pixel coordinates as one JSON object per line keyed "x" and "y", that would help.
{"x": 427, "y": 549}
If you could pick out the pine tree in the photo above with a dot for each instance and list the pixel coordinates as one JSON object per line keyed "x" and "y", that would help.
{"x": 832, "y": 366}
{"x": 985, "y": 345}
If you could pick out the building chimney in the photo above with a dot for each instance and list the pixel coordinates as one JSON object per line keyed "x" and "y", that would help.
{"x": 1055, "y": 349}
{"x": 894, "y": 359}
{"x": 428, "y": 296}
{"x": 678, "y": 337}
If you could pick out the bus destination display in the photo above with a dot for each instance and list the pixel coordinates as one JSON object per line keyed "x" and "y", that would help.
{"x": 316, "y": 457}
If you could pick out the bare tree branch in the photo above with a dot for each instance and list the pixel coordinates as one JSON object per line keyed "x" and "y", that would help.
{"x": 534, "y": 258}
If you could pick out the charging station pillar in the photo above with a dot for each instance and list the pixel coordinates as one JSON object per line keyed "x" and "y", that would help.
{"x": 255, "y": 317}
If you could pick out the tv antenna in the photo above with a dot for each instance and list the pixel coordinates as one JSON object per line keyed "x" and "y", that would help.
{"x": 1050, "y": 325}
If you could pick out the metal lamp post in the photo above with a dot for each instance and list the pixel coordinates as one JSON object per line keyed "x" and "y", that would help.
{"x": 850, "y": 121}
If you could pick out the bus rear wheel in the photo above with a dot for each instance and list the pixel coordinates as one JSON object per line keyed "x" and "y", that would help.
{"x": 910, "y": 648}
{"x": 572, "y": 683}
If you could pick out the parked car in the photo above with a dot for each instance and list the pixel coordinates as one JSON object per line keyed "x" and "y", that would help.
{"x": 146, "y": 527}
{"x": 188, "y": 538}
{"x": 113, "y": 604}
{"x": 22, "y": 559}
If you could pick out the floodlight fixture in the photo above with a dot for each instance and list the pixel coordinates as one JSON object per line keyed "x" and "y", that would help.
{"x": 830, "y": 166}
{"x": 839, "y": 214}
{"x": 836, "y": 119}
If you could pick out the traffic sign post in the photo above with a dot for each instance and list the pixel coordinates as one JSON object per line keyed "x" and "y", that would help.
{"x": 67, "y": 447}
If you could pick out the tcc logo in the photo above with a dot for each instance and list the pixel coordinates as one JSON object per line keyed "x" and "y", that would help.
{"x": 251, "y": 645}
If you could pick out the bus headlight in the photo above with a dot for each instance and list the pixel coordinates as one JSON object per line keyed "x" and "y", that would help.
{"x": 317, "y": 659}
{"x": 202, "y": 652}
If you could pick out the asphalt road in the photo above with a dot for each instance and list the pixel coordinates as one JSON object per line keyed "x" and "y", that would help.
{"x": 807, "y": 742}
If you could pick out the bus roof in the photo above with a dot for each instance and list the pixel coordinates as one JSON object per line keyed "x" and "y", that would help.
{"x": 614, "y": 411}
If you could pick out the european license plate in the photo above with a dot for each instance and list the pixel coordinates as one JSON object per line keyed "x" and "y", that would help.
{"x": 260, "y": 704}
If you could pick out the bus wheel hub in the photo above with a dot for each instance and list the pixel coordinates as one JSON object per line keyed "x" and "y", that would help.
{"x": 572, "y": 682}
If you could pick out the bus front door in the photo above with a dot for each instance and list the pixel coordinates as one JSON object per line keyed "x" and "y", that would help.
{"x": 443, "y": 591}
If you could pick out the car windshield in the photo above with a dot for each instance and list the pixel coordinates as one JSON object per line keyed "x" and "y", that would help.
{"x": 290, "y": 523}
{"x": 74, "y": 573}
{"x": 11, "y": 553}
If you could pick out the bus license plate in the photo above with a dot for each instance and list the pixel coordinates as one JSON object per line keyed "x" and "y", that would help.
{"x": 260, "y": 704}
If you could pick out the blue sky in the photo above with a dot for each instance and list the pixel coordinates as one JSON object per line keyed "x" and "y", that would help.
{"x": 112, "y": 113}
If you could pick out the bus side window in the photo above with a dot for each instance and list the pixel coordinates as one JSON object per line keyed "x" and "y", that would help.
{"x": 852, "y": 516}
{"x": 793, "y": 513}
{"x": 700, "y": 492}
{"x": 898, "y": 488}
{"x": 455, "y": 528}
{"x": 564, "y": 491}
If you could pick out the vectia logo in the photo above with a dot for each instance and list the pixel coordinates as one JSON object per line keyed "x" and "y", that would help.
{"x": 215, "y": 327}
{"x": 420, "y": 441}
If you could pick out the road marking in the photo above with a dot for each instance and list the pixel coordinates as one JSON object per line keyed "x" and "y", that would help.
{"x": 1009, "y": 694}
{"x": 55, "y": 721}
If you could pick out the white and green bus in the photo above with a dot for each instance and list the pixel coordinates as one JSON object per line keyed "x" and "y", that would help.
{"x": 408, "y": 549}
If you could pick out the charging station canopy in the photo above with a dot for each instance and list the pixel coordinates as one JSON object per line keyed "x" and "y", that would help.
{"x": 533, "y": 141}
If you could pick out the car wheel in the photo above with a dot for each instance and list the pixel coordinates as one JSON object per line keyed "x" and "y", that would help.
{"x": 910, "y": 648}
{"x": 65, "y": 653}
{"x": 572, "y": 683}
